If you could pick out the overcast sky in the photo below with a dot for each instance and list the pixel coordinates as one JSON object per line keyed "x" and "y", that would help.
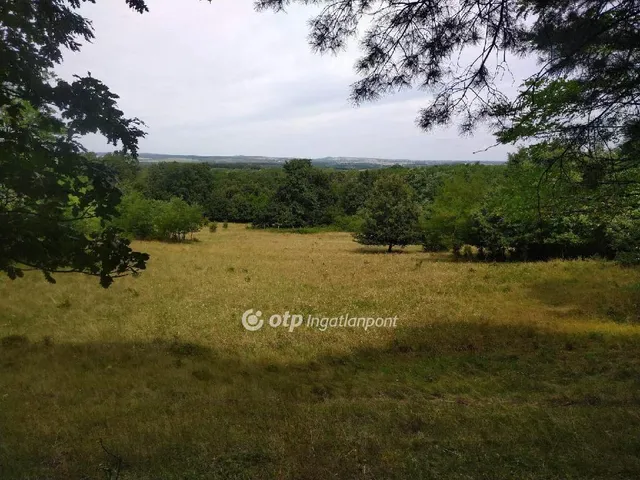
{"x": 221, "y": 79}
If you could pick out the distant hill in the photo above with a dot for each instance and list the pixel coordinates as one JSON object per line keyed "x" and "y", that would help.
{"x": 329, "y": 162}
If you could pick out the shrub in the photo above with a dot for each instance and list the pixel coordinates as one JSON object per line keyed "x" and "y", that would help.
{"x": 468, "y": 251}
{"x": 213, "y": 226}
{"x": 624, "y": 239}
{"x": 449, "y": 217}
{"x": 137, "y": 216}
{"x": 176, "y": 218}
{"x": 629, "y": 258}
{"x": 143, "y": 218}
{"x": 348, "y": 223}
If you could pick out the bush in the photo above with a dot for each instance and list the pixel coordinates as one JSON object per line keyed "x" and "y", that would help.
{"x": 348, "y": 223}
{"x": 176, "y": 218}
{"x": 225, "y": 225}
{"x": 448, "y": 222}
{"x": 522, "y": 218}
{"x": 143, "y": 218}
{"x": 137, "y": 216}
{"x": 629, "y": 258}
{"x": 213, "y": 226}
{"x": 624, "y": 239}
{"x": 432, "y": 240}
{"x": 468, "y": 251}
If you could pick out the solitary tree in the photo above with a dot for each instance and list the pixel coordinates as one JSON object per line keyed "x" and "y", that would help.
{"x": 391, "y": 214}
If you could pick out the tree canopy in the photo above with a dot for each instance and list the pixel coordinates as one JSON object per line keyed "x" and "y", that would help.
{"x": 390, "y": 215}
{"x": 585, "y": 95}
{"x": 48, "y": 186}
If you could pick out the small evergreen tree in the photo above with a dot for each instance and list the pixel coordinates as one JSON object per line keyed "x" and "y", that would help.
{"x": 391, "y": 214}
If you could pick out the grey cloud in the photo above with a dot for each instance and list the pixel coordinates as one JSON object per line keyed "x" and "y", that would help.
{"x": 222, "y": 79}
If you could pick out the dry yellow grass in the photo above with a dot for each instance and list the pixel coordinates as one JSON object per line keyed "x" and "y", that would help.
{"x": 161, "y": 368}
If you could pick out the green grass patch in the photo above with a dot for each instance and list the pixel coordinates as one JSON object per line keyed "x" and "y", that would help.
{"x": 524, "y": 371}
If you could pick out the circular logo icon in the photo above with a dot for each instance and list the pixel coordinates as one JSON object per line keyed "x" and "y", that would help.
{"x": 252, "y": 321}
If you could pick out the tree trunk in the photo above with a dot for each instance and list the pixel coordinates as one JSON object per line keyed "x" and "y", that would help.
{"x": 389, "y": 249}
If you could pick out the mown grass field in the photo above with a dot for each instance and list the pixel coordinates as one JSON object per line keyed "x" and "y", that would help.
{"x": 520, "y": 371}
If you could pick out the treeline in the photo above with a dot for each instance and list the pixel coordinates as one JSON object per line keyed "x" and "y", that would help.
{"x": 296, "y": 195}
{"x": 532, "y": 208}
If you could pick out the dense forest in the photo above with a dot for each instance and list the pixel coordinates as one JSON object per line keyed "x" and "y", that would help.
{"x": 530, "y": 208}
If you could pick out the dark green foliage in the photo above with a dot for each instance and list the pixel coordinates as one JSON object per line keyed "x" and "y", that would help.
{"x": 242, "y": 195}
{"x": 237, "y": 195}
{"x": 137, "y": 216}
{"x": 48, "y": 187}
{"x": 533, "y": 210}
{"x": 354, "y": 190}
{"x": 584, "y": 94}
{"x": 48, "y": 190}
{"x": 296, "y": 196}
{"x": 125, "y": 166}
{"x": 348, "y": 223}
{"x": 191, "y": 182}
{"x": 580, "y": 110}
{"x": 390, "y": 215}
{"x": 427, "y": 181}
{"x": 586, "y": 98}
{"x": 449, "y": 214}
{"x": 303, "y": 199}
{"x": 530, "y": 209}
{"x": 624, "y": 238}
{"x": 144, "y": 218}
{"x": 176, "y": 218}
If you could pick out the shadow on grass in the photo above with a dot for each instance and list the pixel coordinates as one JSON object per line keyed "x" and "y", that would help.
{"x": 618, "y": 302}
{"x": 304, "y": 230}
{"x": 443, "y": 401}
{"x": 381, "y": 251}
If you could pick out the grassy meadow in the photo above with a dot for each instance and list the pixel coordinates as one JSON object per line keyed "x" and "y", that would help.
{"x": 514, "y": 370}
